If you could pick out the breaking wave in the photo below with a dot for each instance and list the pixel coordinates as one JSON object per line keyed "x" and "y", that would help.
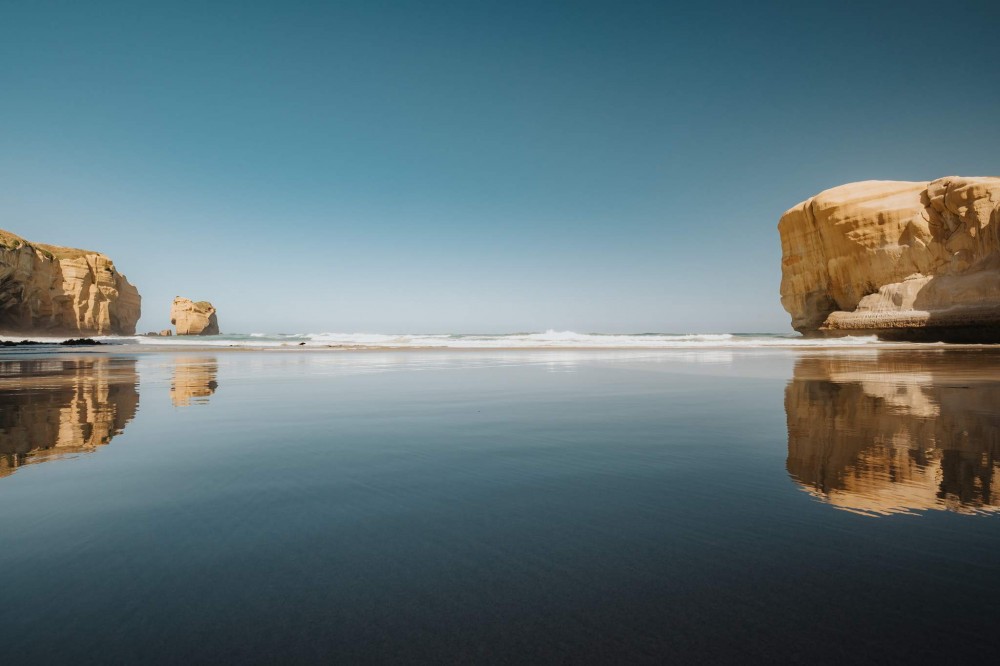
{"x": 548, "y": 340}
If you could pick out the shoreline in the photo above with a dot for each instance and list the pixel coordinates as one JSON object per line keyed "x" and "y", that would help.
{"x": 549, "y": 340}
{"x": 55, "y": 348}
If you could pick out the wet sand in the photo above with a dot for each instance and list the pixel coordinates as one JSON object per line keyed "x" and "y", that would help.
{"x": 498, "y": 506}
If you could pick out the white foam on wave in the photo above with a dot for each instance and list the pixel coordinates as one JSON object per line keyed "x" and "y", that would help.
{"x": 550, "y": 339}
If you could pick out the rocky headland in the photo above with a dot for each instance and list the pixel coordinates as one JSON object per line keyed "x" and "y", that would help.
{"x": 903, "y": 260}
{"x": 52, "y": 290}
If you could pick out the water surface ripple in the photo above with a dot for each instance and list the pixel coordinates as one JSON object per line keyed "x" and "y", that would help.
{"x": 734, "y": 506}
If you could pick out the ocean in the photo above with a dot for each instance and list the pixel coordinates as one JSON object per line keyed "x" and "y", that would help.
{"x": 539, "y": 340}
{"x": 729, "y": 501}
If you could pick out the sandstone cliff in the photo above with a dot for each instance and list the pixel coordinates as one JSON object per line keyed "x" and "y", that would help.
{"x": 193, "y": 318}
{"x": 901, "y": 259}
{"x": 62, "y": 291}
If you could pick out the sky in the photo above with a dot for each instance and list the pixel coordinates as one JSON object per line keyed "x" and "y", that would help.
{"x": 474, "y": 166}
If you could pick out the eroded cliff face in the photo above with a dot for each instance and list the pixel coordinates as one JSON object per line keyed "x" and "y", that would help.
{"x": 896, "y": 433}
{"x": 62, "y": 291}
{"x": 194, "y": 318}
{"x": 54, "y": 407}
{"x": 901, "y": 259}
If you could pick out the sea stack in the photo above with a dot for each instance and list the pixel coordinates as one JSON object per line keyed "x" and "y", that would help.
{"x": 193, "y": 317}
{"x": 902, "y": 260}
{"x": 52, "y": 290}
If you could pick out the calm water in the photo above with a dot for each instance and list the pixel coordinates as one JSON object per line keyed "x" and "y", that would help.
{"x": 552, "y": 506}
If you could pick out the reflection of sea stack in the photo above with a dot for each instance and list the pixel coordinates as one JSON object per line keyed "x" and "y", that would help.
{"x": 193, "y": 381}
{"x": 879, "y": 435}
{"x": 50, "y": 408}
{"x": 194, "y": 317}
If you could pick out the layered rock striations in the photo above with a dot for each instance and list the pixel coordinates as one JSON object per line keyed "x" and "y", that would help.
{"x": 193, "y": 318}
{"x": 62, "y": 291}
{"x": 904, "y": 260}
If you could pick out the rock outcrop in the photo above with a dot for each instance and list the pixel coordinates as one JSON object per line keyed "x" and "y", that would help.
{"x": 45, "y": 289}
{"x": 903, "y": 260}
{"x": 193, "y": 318}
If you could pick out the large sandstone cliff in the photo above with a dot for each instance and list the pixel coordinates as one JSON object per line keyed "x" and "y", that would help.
{"x": 901, "y": 259}
{"x": 62, "y": 291}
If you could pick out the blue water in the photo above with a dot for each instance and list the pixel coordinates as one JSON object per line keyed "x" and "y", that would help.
{"x": 499, "y": 507}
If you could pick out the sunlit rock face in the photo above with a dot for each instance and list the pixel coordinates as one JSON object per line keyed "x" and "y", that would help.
{"x": 194, "y": 317}
{"x": 51, "y": 408}
{"x": 194, "y": 380}
{"x": 904, "y": 260}
{"x": 888, "y": 434}
{"x": 46, "y": 289}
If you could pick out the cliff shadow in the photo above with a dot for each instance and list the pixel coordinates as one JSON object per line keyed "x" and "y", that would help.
{"x": 960, "y": 308}
{"x": 50, "y": 408}
{"x": 897, "y": 432}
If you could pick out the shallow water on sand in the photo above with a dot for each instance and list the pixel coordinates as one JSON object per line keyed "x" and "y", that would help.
{"x": 740, "y": 506}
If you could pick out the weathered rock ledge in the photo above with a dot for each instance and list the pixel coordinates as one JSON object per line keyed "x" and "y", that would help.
{"x": 902, "y": 260}
{"x": 47, "y": 289}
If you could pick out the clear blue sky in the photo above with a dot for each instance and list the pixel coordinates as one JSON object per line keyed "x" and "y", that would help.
{"x": 474, "y": 166}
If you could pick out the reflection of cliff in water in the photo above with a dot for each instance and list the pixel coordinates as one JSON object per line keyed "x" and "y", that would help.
{"x": 194, "y": 380}
{"x": 898, "y": 432}
{"x": 53, "y": 407}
